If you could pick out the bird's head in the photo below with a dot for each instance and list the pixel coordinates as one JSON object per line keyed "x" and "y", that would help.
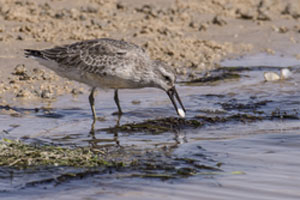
{"x": 165, "y": 75}
{"x": 165, "y": 80}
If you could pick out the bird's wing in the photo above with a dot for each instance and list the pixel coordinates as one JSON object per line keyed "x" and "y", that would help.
{"x": 92, "y": 54}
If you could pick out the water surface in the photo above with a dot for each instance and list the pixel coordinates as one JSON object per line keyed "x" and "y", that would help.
{"x": 248, "y": 147}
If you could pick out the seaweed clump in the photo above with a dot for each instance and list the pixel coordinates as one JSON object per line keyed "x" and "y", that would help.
{"x": 215, "y": 78}
{"x": 156, "y": 126}
{"x": 18, "y": 155}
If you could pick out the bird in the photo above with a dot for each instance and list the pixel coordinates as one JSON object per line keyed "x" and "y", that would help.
{"x": 107, "y": 63}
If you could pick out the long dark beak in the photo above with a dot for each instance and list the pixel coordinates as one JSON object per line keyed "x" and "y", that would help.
{"x": 171, "y": 93}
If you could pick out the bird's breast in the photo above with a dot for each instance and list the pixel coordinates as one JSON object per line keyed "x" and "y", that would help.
{"x": 108, "y": 81}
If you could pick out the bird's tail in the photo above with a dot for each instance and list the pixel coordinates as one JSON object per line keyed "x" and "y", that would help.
{"x": 33, "y": 53}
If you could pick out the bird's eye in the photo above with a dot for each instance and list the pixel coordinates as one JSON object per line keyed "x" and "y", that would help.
{"x": 167, "y": 78}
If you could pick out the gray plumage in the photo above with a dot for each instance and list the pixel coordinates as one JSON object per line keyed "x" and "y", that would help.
{"x": 109, "y": 64}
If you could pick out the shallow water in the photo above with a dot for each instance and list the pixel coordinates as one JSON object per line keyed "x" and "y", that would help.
{"x": 254, "y": 157}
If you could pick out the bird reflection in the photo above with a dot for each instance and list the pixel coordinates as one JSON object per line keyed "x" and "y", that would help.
{"x": 98, "y": 143}
{"x": 180, "y": 137}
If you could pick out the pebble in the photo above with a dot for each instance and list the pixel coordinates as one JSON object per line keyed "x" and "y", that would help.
{"x": 23, "y": 94}
{"x": 20, "y": 69}
{"x": 271, "y": 76}
{"x": 46, "y": 94}
{"x": 285, "y": 73}
{"x": 219, "y": 20}
{"x": 135, "y": 102}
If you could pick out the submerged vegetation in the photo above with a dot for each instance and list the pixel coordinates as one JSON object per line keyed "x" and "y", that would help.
{"x": 80, "y": 162}
{"x": 18, "y": 155}
{"x": 156, "y": 126}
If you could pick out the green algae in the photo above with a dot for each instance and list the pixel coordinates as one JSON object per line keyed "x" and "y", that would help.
{"x": 173, "y": 124}
{"x": 156, "y": 126}
{"x": 154, "y": 163}
{"x": 18, "y": 155}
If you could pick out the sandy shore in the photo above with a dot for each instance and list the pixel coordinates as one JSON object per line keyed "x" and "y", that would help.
{"x": 191, "y": 35}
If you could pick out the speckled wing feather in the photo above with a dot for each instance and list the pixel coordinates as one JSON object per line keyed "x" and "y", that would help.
{"x": 93, "y": 55}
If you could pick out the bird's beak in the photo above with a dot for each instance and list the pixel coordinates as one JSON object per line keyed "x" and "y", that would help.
{"x": 171, "y": 93}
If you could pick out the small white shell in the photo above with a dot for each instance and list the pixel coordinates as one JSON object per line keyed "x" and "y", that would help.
{"x": 285, "y": 73}
{"x": 271, "y": 76}
{"x": 181, "y": 112}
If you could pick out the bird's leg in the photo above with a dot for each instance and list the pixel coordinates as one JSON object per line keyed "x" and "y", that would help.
{"x": 118, "y": 121}
{"x": 116, "y": 135}
{"x": 92, "y": 104}
{"x": 92, "y": 131}
{"x": 116, "y": 97}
